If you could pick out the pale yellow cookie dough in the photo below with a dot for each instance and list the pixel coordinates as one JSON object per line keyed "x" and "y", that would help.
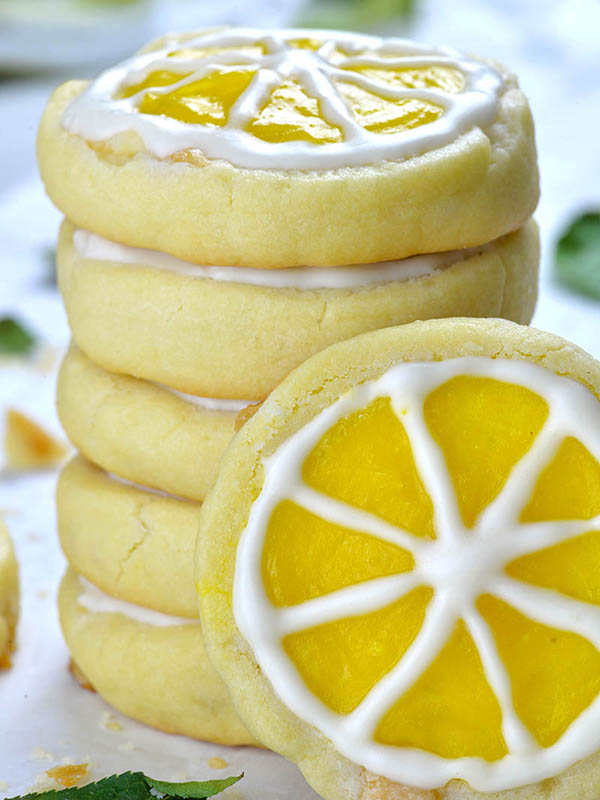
{"x": 481, "y": 186}
{"x": 222, "y": 339}
{"x": 134, "y": 544}
{"x": 139, "y": 430}
{"x": 314, "y": 386}
{"x": 9, "y": 596}
{"x": 156, "y": 674}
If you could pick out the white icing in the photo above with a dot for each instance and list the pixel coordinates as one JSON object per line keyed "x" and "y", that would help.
{"x": 223, "y": 404}
{"x": 97, "y": 115}
{"x": 96, "y": 602}
{"x": 147, "y": 489}
{"x": 91, "y": 246}
{"x": 459, "y": 565}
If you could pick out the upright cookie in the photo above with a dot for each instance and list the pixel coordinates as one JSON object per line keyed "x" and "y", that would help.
{"x": 400, "y": 582}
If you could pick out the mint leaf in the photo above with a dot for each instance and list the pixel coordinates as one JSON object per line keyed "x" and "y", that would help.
{"x": 196, "y": 789}
{"x": 14, "y": 338}
{"x": 128, "y": 786}
{"x": 135, "y": 786}
{"x": 578, "y": 255}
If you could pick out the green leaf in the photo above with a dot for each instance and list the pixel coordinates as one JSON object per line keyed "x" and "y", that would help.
{"x": 14, "y": 338}
{"x": 135, "y": 786}
{"x": 353, "y": 13}
{"x": 196, "y": 789}
{"x": 578, "y": 255}
{"x": 48, "y": 259}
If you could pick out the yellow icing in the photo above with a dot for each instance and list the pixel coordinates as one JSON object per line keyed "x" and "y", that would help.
{"x": 451, "y": 709}
{"x": 483, "y": 427}
{"x": 340, "y": 661}
{"x": 366, "y": 460}
{"x": 297, "y": 540}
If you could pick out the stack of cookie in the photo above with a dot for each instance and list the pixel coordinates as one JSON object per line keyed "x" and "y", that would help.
{"x": 235, "y": 201}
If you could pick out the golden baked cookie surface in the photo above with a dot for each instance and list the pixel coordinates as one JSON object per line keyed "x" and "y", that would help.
{"x": 193, "y": 332}
{"x": 425, "y": 486}
{"x": 150, "y": 666}
{"x": 134, "y": 543}
{"x": 143, "y": 431}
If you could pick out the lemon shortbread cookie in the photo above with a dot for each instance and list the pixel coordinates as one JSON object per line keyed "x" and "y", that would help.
{"x": 134, "y": 543}
{"x": 399, "y": 577}
{"x": 286, "y": 148}
{"x": 150, "y": 666}
{"x": 235, "y": 333}
{"x": 9, "y": 596}
{"x": 143, "y": 431}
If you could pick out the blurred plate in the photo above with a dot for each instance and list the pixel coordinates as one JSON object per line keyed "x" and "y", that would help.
{"x": 59, "y": 34}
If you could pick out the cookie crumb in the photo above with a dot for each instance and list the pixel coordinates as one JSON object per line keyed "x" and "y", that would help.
{"x": 126, "y": 747}
{"x": 217, "y": 763}
{"x": 39, "y": 754}
{"x": 3, "y": 786}
{"x": 68, "y": 775}
{"x": 27, "y": 445}
{"x": 109, "y": 722}
{"x": 65, "y": 776}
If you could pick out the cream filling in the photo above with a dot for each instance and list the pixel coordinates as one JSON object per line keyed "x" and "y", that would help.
{"x": 460, "y": 564}
{"x": 97, "y": 116}
{"x": 147, "y": 489}
{"x": 210, "y": 403}
{"x": 97, "y": 602}
{"x": 91, "y": 246}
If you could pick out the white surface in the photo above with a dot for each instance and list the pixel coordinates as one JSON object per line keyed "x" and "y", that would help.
{"x": 553, "y": 46}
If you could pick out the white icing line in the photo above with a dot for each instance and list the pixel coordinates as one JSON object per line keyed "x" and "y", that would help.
{"x": 549, "y": 607}
{"x": 459, "y": 567}
{"x": 97, "y": 602}
{"x": 435, "y": 631}
{"x": 533, "y": 536}
{"x": 91, "y": 246}
{"x": 146, "y": 489}
{"x": 517, "y": 737}
{"x": 209, "y": 403}
{"x": 522, "y": 479}
{"x": 97, "y": 116}
{"x": 340, "y": 513}
{"x": 346, "y": 602}
{"x": 431, "y": 467}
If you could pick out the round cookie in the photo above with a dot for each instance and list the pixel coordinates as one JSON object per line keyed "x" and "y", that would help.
{"x": 9, "y": 596}
{"x": 398, "y": 580}
{"x": 368, "y": 150}
{"x": 133, "y": 543}
{"x": 219, "y": 338}
{"x": 143, "y": 431}
{"x": 151, "y": 667}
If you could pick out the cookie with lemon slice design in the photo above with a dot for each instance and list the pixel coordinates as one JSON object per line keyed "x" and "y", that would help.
{"x": 399, "y": 577}
{"x": 270, "y": 148}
